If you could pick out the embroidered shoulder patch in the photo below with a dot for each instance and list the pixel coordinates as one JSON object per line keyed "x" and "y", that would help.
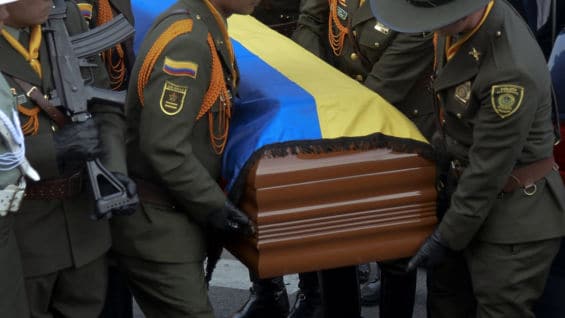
{"x": 85, "y": 10}
{"x": 180, "y": 68}
{"x": 506, "y": 99}
{"x": 172, "y": 98}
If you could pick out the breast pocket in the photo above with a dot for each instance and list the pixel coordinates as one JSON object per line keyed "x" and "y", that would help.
{"x": 373, "y": 39}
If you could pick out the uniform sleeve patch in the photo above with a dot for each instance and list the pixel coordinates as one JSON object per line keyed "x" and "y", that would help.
{"x": 180, "y": 68}
{"x": 172, "y": 98}
{"x": 506, "y": 99}
{"x": 85, "y": 10}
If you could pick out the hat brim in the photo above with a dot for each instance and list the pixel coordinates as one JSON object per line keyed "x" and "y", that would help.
{"x": 6, "y": 1}
{"x": 402, "y": 16}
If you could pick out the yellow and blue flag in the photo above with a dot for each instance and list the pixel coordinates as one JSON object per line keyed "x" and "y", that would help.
{"x": 289, "y": 98}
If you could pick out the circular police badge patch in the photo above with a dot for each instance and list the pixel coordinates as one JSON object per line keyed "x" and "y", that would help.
{"x": 506, "y": 99}
{"x": 172, "y": 98}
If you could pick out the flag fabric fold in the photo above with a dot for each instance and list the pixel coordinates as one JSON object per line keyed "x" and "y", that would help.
{"x": 289, "y": 100}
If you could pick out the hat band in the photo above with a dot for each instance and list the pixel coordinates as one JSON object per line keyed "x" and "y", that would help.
{"x": 429, "y": 3}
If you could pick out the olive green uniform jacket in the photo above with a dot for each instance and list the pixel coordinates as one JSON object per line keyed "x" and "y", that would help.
{"x": 496, "y": 97}
{"x": 395, "y": 65}
{"x": 13, "y": 301}
{"x": 56, "y": 234}
{"x": 167, "y": 146}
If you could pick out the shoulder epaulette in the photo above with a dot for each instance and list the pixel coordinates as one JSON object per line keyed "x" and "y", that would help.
{"x": 176, "y": 29}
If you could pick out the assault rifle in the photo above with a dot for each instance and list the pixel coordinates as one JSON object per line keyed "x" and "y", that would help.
{"x": 68, "y": 55}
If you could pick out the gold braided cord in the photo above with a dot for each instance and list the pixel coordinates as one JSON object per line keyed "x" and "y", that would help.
{"x": 336, "y": 30}
{"x": 174, "y": 30}
{"x": 113, "y": 57}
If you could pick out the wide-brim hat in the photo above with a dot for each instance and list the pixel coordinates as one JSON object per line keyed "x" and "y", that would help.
{"x": 422, "y": 15}
{"x": 6, "y": 1}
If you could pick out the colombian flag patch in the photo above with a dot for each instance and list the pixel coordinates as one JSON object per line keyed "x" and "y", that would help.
{"x": 85, "y": 10}
{"x": 180, "y": 68}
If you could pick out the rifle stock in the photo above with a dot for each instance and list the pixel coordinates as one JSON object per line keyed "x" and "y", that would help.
{"x": 72, "y": 93}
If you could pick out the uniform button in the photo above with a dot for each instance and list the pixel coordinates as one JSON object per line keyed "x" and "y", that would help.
{"x": 377, "y": 44}
{"x": 459, "y": 115}
{"x": 354, "y": 33}
{"x": 359, "y": 77}
{"x": 443, "y": 121}
{"x": 354, "y": 56}
{"x": 53, "y": 128}
{"x": 498, "y": 34}
{"x": 415, "y": 112}
{"x": 198, "y": 17}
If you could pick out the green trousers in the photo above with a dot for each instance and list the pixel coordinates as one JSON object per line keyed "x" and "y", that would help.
{"x": 71, "y": 292}
{"x": 171, "y": 290}
{"x": 13, "y": 299}
{"x": 491, "y": 280}
{"x": 508, "y": 279}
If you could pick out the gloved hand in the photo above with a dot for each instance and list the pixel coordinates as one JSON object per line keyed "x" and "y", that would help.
{"x": 430, "y": 254}
{"x": 229, "y": 220}
{"x": 131, "y": 190}
{"x": 78, "y": 141}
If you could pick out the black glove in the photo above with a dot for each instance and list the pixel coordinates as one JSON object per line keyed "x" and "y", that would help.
{"x": 131, "y": 190}
{"x": 431, "y": 253}
{"x": 78, "y": 141}
{"x": 229, "y": 220}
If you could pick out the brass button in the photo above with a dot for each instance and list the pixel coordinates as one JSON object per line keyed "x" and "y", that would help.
{"x": 53, "y": 128}
{"x": 377, "y": 44}
{"x": 415, "y": 112}
{"x": 498, "y": 33}
{"x": 354, "y": 56}
{"x": 459, "y": 115}
{"x": 354, "y": 33}
{"x": 443, "y": 121}
{"x": 359, "y": 77}
{"x": 198, "y": 17}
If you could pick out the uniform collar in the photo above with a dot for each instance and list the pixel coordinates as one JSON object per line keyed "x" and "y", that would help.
{"x": 466, "y": 63}
{"x": 14, "y": 65}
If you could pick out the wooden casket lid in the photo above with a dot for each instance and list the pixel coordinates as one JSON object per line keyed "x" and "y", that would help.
{"x": 320, "y": 211}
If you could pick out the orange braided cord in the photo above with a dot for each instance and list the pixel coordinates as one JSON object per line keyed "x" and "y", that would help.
{"x": 31, "y": 126}
{"x": 336, "y": 37}
{"x": 217, "y": 89}
{"x": 227, "y": 40}
{"x": 176, "y": 29}
{"x": 113, "y": 57}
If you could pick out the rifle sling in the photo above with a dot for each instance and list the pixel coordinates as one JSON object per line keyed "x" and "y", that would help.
{"x": 36, "y": 95}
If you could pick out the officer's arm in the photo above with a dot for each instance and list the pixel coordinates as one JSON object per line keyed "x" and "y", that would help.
{"x": 497, "y": 145}
{"x": 312, "y": 29}
{"x": 401, "y": 65}
{"x": 171, "y": 104}
{"x": 109, "y": 118}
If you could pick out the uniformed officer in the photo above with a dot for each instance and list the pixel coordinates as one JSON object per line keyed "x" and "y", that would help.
{"x": 178, "y": 116}
{"x": 13, "y": 165}
{"x": 396, "y": 66}
{"x": 119, "y": 62}
{"x": 507, "y": 210}
{"x": 62, "y": 248}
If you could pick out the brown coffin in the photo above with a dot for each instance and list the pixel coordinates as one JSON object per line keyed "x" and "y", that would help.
{"x": 325, "y": 211}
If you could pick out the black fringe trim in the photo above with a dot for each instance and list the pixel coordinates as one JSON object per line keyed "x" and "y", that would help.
{"x": 320, "y": 146}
